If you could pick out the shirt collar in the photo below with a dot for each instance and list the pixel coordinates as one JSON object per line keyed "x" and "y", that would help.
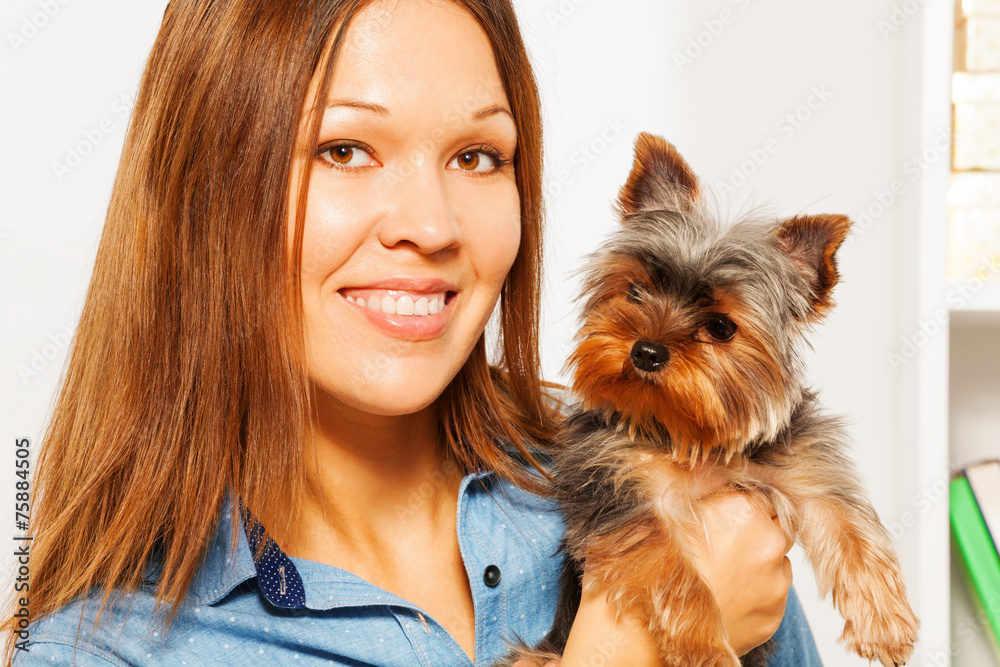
{"x": 279, "y": 580}
{"x": 223, "y": 568}
{"x": 277, "y": 576}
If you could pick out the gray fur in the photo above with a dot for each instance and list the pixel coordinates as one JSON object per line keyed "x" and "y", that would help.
{"x": 791, "y": 452}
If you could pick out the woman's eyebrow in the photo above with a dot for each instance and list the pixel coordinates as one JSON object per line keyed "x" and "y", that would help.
{"x": 382, "y": 111}
{"x": 492, "y": 111}
{"x": 358, "y": 104}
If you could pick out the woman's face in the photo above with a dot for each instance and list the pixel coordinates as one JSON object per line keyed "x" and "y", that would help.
{"x": 413, "y": 216}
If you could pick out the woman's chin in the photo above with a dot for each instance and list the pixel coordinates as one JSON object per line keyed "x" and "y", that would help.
{"x": 401, "y": 404}
{"x": 385, "y": 399}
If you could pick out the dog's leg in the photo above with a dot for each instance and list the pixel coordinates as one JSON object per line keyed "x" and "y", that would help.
{"x": 850, "y": 551}
{"x": 644, "y": 570}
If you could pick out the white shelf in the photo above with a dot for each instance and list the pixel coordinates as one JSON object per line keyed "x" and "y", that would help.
{"x": 925, "y": 388}
{"x": 975, "y": 296}
{"x": 970, "y": 369}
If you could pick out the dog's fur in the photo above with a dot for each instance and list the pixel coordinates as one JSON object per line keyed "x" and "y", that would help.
{"x": 664, "y": 390}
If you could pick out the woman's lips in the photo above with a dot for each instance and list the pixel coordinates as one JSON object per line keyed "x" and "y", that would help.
{"x": 411, "y": 314}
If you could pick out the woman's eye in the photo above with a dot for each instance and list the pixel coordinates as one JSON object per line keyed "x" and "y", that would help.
{"x": 721, "y": 328}
{"x": 346, "y": 156}
{"x": 478, "y": 162}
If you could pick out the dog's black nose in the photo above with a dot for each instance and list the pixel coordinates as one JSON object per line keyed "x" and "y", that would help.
{"x": 649, "y": 357}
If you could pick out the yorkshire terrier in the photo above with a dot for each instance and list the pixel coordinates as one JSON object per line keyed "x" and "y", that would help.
{"x": 689, "y": 356}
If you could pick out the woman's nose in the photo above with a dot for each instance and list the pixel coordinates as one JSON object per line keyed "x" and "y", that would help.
{"x": 422, "y": 211}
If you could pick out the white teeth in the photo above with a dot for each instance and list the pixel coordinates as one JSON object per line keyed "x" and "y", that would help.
{"x": 405, "y": 305}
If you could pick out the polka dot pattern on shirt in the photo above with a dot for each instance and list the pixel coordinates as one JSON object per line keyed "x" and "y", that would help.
{"x": 277, "y": 576}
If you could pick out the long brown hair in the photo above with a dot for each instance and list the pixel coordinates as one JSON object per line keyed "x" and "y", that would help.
{"x": 188, "y": 359}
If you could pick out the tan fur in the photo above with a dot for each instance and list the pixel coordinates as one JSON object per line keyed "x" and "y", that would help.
{"x": 688, "y": 368}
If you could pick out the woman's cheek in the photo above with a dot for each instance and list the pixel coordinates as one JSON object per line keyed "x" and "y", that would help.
{"x": 336, "y": 225}
{"x": 496, "y": 236}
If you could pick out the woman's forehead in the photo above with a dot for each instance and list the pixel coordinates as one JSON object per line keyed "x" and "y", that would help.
{"x": 424, "y": 55}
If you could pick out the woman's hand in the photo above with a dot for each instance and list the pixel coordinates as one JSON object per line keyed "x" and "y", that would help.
{"x": 742, "y": 558}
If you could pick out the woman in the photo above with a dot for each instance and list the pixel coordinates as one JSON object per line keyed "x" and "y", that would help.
{"x": 282, "y": 356}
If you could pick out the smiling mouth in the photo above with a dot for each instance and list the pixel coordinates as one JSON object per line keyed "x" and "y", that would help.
{"x": 398, "y": 302}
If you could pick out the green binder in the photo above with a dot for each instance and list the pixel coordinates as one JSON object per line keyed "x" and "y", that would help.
{"x": 981, "y": 564}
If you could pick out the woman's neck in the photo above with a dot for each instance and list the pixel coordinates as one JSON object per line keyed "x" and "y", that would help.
{"x": 372, "y": 482}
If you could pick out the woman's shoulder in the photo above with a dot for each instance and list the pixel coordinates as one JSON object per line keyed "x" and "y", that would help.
{"x": 132, "y": 629}
{"x": 64, "y": 651}
{"x": 83, "y": 632}
{"x": 126, "y": 626}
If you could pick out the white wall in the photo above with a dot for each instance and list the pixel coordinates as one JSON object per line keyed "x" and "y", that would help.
{"x": 69, "y": 71}
{"x": 627, "y": 63}
{"x": 608, "y": 69}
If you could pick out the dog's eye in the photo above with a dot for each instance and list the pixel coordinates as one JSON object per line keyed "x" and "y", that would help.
{"x": 720, "y": 327}
{"x": 633, "y": 293}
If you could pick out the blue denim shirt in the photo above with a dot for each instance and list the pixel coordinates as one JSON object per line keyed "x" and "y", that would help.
{"x": 291, "y": 611}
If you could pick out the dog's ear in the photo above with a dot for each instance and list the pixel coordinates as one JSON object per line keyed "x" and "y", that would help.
{"x": 660, "y": 178}
{"x": 811, "y": 242}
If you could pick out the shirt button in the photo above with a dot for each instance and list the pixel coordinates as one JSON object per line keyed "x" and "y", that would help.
{"x": 491, "y": 576}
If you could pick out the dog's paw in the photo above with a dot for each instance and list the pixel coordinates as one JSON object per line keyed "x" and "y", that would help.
{"x": 887, "y": 637}
{"x": 879, "y": 622}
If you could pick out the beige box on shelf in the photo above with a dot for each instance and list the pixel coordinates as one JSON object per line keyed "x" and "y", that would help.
{"x": 974, "y": 244}
{"x": 976, "y": 118}
{"x": 974, "y": 189}
{"x": 976, "y": 137}
{"x": 975, "y": 87}
{"x": 977, "y": 44}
